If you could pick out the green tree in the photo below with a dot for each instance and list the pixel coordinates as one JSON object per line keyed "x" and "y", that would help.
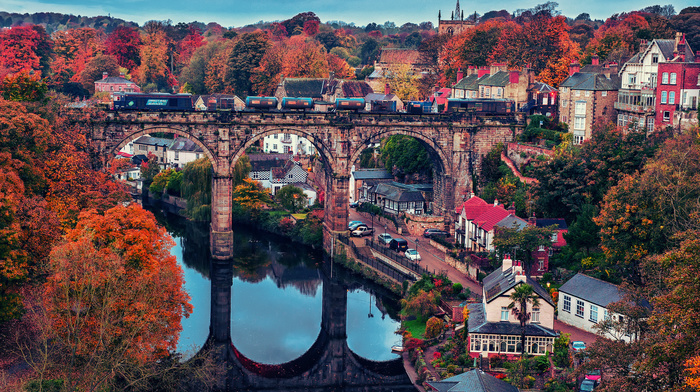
{"x": 174, "y": 187}
{"x": 160, "y": 182}
{"x": 584, "y": 233}
{"x": 149, "y": 169}
{"x": 405, "y": 156}
{"x": 524, "y": 241}
{"x": 523, "y": 296}
{"x": 241, "y": 170}
{"x": 245, "y": 57}
{"x": 291, "y": 198}
{"x": 433, "y": 328}
{"x": 196, "y": 189}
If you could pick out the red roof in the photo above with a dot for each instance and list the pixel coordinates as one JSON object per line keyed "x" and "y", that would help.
{"x": 441, "y": 95}
{"x": 473, "y": 201}
{"x": 491, "y": 216}
{"x": 124, "y": 154}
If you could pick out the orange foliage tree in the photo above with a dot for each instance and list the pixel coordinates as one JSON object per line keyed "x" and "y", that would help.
{"x": 23, "y": 48}
{"x": 154, "y": 61}
{"x": 114, "y": 296}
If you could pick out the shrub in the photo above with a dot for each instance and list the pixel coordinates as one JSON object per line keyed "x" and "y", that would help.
{"x": 457, "y": 288}
{"x": 433, "y": 327}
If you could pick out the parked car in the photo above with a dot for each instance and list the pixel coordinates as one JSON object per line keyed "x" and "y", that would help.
{"x": 398, "y": 244}
{"x": 384, "y": 238}
{"x": 362, "y": 231}
{"x": 594, "y": 375}
{"x": 412, "y": 254}
{"x": 435, "y": 233}
{"x": 588, "y": 385}
{"x": 352, "y": 225}
{"x": 578, "y": 345}
{"x": 354, "y": 204}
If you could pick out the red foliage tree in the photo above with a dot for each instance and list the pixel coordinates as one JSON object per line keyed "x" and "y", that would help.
{"x": 124, "y": 43}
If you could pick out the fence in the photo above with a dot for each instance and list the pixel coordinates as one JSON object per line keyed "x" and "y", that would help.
{"x": 377, "y": 264}
{"x": 402, "y": 260}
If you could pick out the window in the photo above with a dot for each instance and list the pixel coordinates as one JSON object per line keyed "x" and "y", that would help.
{"x": 541, "y": 248}
{"x": 564, "y": 104}
{"x": 142, "y": 147}
{"x": 594, "y": 314}
{"x": 650, "y": 124}
{"x": 567, "y": 304}
{"x": 579, "y": 308}
{"x": 504, "y": 313}
{"x": 671, "y": 97}
{"x": 177, "y": 155}
{"x": 545, "y": 100}
{"x": 535, "y": 318}
{"x": 655, "y": 58}
{"x": 673, "y": 78}
{"x": 603, "y": 93}
{"x": 578, "y": 139}
{"x": 541, "y": 264}
{"x": 588, "y": 93}
{"x": 652, "y": 80}
{"x": 578, "y": 93}
{"x": 275, "y": 136}
{"x": 667, "y": 116}
{"x": 632, "y": 78}
{"x": 554, "y": 237}
{"x": 663, "y": 97}
{"x": 580, "y": 109}
{"x": 664, "y": 78}
{"x": 580, "y": 123}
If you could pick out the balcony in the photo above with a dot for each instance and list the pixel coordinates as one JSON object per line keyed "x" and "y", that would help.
{"x": 641, "y": 109}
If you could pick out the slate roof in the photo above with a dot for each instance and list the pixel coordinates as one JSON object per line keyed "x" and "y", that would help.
{"x": 153, "y": 141}
{"x": 280, "y": 172}
{"x": 399, "y": 56}
{"x": 499, "y": 282}
{"x": 398, "y": 192}
{"x": 115, "y": 80}
{"x": 371, "y": 174}
{"x": 592, "y": 290}
{"x": 269, "y": 157}
{"x": 267, "y": 165}
{"x": 474, "y": 380}
{"x": 307, "y": 87}
{"x": 592, "y": 82}
{"x": 542, "y": 87}
{"x": 184, "y": 144}
{"x": 479, "y": 325}
{"x": 356, "y": 88}
{"x": 512, "y": 221}
{"x": 544, "y": 222}
{"x": 469, "y": 82}
{"x": 380, "y": 97}
{"x": 500, "y": 79}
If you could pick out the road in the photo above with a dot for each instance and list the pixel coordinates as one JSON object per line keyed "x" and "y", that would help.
{"x": 431, "y": 258}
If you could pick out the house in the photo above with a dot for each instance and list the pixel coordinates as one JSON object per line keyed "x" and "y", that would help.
{"x": 541, "y": 256}
{"x": 287, "y": 143}
{"x": 506, "y": 84}
{"x": 308, "y": 190}
{"x": 362, "y": 180}
{"x": 468, "y": 86}
{"x": 158, "y": 146}
{"x": 386, "y": 102}
{"x": 116, "y": 83}
{"x": 392, "y": 59}
{"x": 476, "y": 222}
{"x": 588, "y": 96}
{"x": 183, "y": 151}
{"x": 290, "y": 173}
{"x": 439, "y": 99}
{"x": 583, "y": 302}
{"x": 542, "y": 99}
{"x": 494, "y": 330}
{"x": 474, "y": 380}
{"x": 678, "y": 88}
{"x": 456, "y": 24}
{"x": 396, "y": 198}
{"x": 640, "y": 92}
{"x": 261, "y": 166}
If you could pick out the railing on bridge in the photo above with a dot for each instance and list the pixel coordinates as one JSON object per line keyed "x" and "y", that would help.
{"x": 377, "y": 264}
{"x": 402, "y": 260}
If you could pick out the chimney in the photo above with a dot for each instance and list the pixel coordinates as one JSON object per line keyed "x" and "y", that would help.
{"x": 387, "y": 89}
{"x": 482, "y": 71}
{"x": 472, "y": 69}
{"x": 574, "y": 67}
{"x": 460, "y": 75}
{"x": 104, "y": 75}
{"x": 532, "y": 220}
{"x": 595, "y": 60}
{"x": 518, "y": 272}
{"x": 511, "y": 209}
{"x": 514, "y": 77}
{"x": 643, "y": 45}
{"x": 121, "y": 75}
{"x": 495, "y": 202}
{"x": 507, "y": 262}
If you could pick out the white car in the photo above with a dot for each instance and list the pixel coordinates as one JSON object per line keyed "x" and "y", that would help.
{"x": 412, "y": 254}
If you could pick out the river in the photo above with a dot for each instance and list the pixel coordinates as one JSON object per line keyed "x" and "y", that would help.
{"x": 276, "y": 300}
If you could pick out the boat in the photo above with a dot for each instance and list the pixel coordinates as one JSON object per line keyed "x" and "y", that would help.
{"x": 397, "y": 348}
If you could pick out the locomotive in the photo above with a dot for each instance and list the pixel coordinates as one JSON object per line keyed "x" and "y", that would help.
{"x": 152, "y": 101}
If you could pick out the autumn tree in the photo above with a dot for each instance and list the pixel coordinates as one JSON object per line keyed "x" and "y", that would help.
{"x": 433, "y": 327}
{"x": 402, "y": 82}
{"x": 114, "y": 296}
{"x": 124, "y": 44}
{"x": 188, "y": 45}
{"x": 154, "y": 68}
{"x": 340, "y": 68}
{"x": 149, "y": 168}
{"x": 525, "y": 241}
{"x": 251, "y": 195}
{"x": 24, "y": 48}
{"x": 95, "y": 68}
{"x": 422, "y": 304}
{"x": 23, "y": 87}
{"x": 196, "y": 189}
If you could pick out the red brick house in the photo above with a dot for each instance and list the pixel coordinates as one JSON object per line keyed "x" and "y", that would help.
{"x": 116, "y": 83}
{"x": 678, "y": 88}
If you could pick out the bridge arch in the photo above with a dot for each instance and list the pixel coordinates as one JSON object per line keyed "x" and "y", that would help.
{"x": 445, "y": 162}
{"x": 180, "y": 131}
{"x": 323, "y": 150}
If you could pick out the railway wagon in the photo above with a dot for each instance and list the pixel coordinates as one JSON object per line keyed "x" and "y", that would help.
{"x": 153, "y": 101}
{"x": 289, "y": 103}
{"x": 265, "y": 103}
{"x": 354, "y": 104}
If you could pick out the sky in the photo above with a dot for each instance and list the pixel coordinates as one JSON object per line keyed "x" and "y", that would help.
{"x": 237, "y": 13}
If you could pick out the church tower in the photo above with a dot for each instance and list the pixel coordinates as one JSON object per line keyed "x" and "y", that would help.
{"x": 456, "y": 24}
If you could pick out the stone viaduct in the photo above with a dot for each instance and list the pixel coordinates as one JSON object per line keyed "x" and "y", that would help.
{"x": 455, "y": 143}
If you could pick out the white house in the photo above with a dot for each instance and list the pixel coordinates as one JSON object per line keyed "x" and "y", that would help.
{"x": 476, "y": 223}
{"x": 288, "y": 143}
{"x": 273, "y": 174}
{"x": 583, "y": 302}
{"x": 494, "y": 330}
{"x": 182, "y": 151}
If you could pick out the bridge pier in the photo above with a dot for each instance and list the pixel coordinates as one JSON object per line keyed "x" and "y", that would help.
{"x": 221, "y": 231}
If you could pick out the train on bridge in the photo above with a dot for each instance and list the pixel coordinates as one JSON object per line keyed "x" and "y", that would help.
{"x": 184, "y": 102}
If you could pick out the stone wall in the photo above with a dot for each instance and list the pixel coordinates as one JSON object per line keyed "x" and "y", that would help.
{"x": 515, "y": 152}
{"x": 418, "y": 223}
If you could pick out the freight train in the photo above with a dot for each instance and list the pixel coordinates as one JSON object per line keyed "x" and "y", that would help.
{"x": 184, "y": 102}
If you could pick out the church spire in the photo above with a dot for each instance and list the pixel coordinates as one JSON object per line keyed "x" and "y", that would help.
{"x": 457, "y": 12}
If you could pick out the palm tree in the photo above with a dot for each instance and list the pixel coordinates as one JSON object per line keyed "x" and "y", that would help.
{"x": 523, "y": 295}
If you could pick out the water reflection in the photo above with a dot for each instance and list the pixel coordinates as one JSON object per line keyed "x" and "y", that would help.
{"x": 276, "y": 291}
